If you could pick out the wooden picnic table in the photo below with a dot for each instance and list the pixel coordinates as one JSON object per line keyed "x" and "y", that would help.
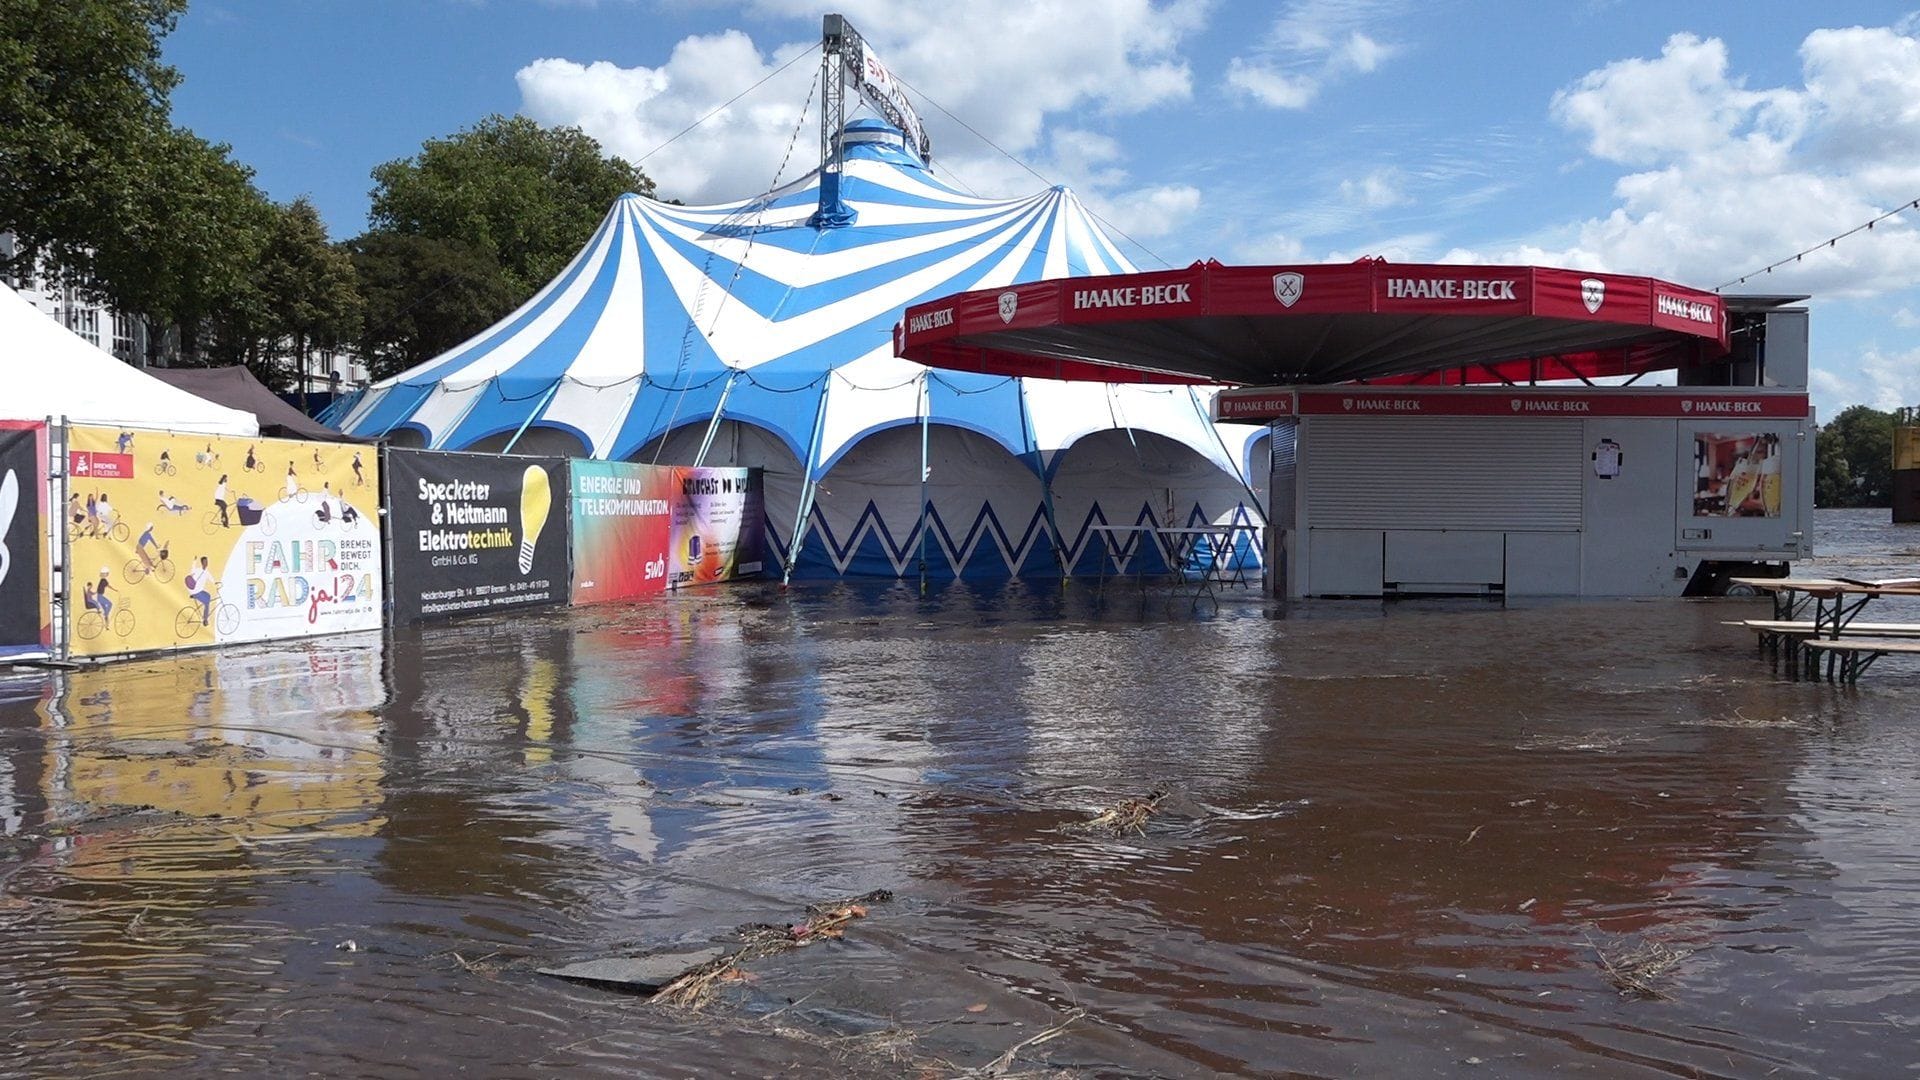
{"x": 1837, "y": 602}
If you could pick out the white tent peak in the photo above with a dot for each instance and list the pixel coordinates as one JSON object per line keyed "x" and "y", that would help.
{"x": 50, "y": 371}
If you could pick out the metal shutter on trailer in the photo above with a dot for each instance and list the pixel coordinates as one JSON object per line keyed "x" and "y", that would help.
{"x": 1483, "y": 473}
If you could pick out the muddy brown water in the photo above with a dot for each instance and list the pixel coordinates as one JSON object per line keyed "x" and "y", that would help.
{"x": 1406, "y": 837}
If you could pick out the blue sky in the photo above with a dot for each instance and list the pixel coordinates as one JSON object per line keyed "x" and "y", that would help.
{"x": 1696, "y": 141}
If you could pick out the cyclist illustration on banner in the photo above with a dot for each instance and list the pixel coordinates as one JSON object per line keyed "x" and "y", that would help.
{"x": 257, "y": 558}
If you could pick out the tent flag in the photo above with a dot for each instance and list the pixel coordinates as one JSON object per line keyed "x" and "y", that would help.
{"x": 679, "y": 329}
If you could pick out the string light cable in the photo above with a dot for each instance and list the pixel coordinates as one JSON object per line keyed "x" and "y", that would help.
{"x": 722, "y": 107}
{"x": 1829, "y": 242}
{"x": 1036, "y": 173}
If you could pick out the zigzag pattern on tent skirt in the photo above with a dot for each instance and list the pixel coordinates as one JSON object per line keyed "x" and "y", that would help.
{"x": 986, "y": 550}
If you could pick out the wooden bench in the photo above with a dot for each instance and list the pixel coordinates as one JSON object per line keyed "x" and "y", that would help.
{"x": 1777, "y": 636}
{"x": 1855, "y": 654}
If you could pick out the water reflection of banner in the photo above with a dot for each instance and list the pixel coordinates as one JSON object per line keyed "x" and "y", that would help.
{"x": 22, "y": 538}
{"x": 472, "y": 533}
{"x": 264, "y": 742}
{"x": 179, "y": 540}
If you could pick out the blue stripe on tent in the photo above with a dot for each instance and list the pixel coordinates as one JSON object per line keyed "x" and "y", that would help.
{"x": 517, "y": 391}
{"x": 396, "y": 403}
{"x": 767, "y": 296}
{"x": 656, "y": 412}
{"x": 480, "y": 346}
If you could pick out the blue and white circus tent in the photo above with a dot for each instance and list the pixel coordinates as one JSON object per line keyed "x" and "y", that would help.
{"x": 742, "y": 334}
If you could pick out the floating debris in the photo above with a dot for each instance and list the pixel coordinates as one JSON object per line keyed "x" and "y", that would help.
{"x": 1634, "y": 966}
{"x": 639, "y": 974}
{"x": 687, "y": 979}
{"x": 1129, "y": 816}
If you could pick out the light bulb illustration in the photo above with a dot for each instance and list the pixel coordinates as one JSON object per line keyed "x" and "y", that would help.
{"x": 536, "y": 498}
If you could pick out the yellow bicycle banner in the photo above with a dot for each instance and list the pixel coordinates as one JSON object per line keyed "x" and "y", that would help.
{"x": 177, "y": 540}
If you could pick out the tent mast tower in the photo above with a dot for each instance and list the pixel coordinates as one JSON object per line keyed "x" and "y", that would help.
{"x": 837, "y": 39}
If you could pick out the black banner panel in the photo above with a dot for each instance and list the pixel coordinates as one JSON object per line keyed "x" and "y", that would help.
{"x": 20, "y": 534}
{"x": 474, "y": 533}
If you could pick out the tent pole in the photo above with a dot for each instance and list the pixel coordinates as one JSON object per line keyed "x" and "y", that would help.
{"x": 535, "y": 411}
{"x": 926, "y": 412}
{"x": 713, "y": 425}
{"x": 479, "y": 392}
{"x": 803, "y": 513}
{"x": 1032, "y": 444}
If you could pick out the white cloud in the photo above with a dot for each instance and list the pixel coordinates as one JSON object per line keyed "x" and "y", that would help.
{"x": 1005, "y": 67}
{"x": 1269, "y": 87}
{"x": 1146, "y": 213}
{"x": 1377, "y": 190}
{"x": 1270, "y": 248}
{"x": 633, "y": 111}
{"x": 1731, "y": 178}
{"x": 1884, "y": 380}
{"x": 1312, "y": 43}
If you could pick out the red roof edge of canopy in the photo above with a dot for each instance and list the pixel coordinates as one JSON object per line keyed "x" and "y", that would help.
{"x": 1427, "y": 324}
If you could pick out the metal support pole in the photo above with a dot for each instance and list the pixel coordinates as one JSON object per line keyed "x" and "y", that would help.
{"x": 535, "y": 411}
{"x": 925, "y": 408}
{"x": 807, "y": 487}
{"x": 713, "y": 424}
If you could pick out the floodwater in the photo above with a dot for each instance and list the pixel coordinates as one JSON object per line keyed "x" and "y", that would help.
{"x": 1408, "y": 840}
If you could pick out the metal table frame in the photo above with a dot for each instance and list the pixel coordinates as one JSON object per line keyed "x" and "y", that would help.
{"x": 1227, "y": 564}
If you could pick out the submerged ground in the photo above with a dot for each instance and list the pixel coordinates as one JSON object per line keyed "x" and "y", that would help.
{"x": 1429, "y": 838}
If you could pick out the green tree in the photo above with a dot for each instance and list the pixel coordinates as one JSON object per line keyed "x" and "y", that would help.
{"x": 1862, "y": 437}
{"x": 187, "y": 247}
{"x": 1832, "y": 481}
{"x": 524, "y": 196}
{"x": 83, "y": 95}
{"x": 422, "y": 297}
{"x": 310, "y": 289}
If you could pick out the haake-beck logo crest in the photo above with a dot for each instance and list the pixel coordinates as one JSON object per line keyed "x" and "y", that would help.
{"x": 1686, "y": 406}
{"x": 1009, "y": 303}
{"x": 1516, "y": 404}
{"x": 1593, "y": 293}
{"x": 1287, "y": 288}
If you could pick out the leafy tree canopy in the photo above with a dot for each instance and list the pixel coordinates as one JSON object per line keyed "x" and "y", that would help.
{"x": 423, "y": 296}
{"x": 84, "y": 95}
{"x": 1854, "y": 455}
{"x": 524, "y": 196}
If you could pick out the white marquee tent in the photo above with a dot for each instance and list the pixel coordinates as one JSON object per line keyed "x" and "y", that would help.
{"x": 50, "y": 371}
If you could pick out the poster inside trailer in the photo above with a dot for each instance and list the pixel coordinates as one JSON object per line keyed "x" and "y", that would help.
{"x": 22, "y": 539}
{"x": 473, "y": 533}
{"x": 178, "y": 540}
{"x": 639, "y": 530}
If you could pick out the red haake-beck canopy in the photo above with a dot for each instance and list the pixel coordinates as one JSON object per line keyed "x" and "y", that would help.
{"x": 1370, "y": 320}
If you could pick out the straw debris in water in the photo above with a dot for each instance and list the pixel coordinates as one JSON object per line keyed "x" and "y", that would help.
{"x": 1635, "y": 967}
{"x": 1128, "y": 816}
{"x": 695, "y": 986}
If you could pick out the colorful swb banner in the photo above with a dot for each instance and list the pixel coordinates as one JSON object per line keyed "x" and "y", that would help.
{"x": 639, "y": 530}
{"x": 177, "y": 540}
{"x": 22, "y": 538}
{"x": 473, "y": 533}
